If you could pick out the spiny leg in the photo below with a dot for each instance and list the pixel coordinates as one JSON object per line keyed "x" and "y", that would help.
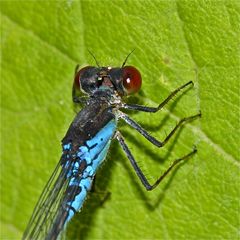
{"x": 139, "y": 172}
{"x": 94, "y": 190}
{"x": 74, "y": 94}
{"x": 150, "y": 138}
{"x": 160, "y": 106}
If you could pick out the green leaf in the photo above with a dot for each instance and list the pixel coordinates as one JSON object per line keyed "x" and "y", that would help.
{"x": 175, "y": 41}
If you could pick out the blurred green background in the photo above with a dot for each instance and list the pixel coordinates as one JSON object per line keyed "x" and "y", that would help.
{"x": 175, "y": 41}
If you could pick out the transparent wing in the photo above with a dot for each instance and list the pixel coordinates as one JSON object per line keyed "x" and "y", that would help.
{"x": 67, "y": 188}
{"x": 49, "y": 203}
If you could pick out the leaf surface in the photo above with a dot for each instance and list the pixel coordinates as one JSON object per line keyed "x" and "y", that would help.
{"x": 175, "y": 41}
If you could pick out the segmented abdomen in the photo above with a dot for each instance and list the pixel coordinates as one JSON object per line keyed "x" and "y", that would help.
{"x": 80, "y": 166}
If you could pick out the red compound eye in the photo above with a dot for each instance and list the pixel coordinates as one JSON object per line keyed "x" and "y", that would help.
{"x": 78, "y": 75}
{"x": 132, "y": 79}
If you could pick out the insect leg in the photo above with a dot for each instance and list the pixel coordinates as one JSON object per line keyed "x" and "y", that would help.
{"x": 160, "y": 106}
{"x": 106, "y": 194}
{"x": 137, "y": 169}
{"x": 75, "y": 98}
{"x": 93, "y": 188}
{"x": 150, "y": 138}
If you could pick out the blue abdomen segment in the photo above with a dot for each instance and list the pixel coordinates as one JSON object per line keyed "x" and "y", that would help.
{"x": 88, "y": 158}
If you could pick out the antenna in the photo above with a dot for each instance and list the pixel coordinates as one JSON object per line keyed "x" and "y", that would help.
{"x": 127, "y": 57}
{"x": 94, "y": 58}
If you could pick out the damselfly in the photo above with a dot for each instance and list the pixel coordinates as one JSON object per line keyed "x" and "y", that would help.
{"x": 87, "y": 141}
